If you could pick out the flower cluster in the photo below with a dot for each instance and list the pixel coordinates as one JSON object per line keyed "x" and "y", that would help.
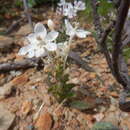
{"x": 70, "y": 10}
{"x": 41, "y": 42}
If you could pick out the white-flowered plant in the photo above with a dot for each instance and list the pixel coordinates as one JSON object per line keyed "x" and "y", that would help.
{"x": 68, "y": 9}
{"x": 74, "y": 31}
{"x": 40, "y": 42}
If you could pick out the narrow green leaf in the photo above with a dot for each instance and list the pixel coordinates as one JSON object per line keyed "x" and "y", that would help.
{"x": 104, "y": 126}
{"x": 81, "y": 105}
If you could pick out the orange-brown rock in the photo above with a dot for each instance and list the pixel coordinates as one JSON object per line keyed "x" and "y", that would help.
{"x": 44, "y": 122}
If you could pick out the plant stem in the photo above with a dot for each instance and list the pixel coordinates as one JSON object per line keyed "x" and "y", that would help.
{"x": 69, "y": 43}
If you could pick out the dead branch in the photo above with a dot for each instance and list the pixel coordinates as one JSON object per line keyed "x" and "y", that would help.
{"x": 102, "y": 35}
{"x": 74, "y": 56}
{"x": 37, "y": 62}
{"x": 26, "y": 9}
{"x": 23, "y": 64}
{"x": 117, "y": 48}
{"x": 116, "y": 62}
{"x": 103, "y": 45}
{"x": 119, "y": 65}
{"x": 96, "y": 17}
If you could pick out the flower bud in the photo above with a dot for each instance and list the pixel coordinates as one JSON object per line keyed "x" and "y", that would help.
{"x": 50, "y": 24}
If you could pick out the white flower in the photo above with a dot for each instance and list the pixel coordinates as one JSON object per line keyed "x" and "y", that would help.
{"x": 50, "y": 24}
{"x": 69, "y": 11}
{"x": 66, "y": 9}
{"x": 79, "y": 5}
{"x": 70, "y": 31}
{"x": 39, "y": 42}
{"x": 62, "y": 2}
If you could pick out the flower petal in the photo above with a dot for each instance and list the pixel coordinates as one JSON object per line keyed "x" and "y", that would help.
{"x": 32, "y": 38}
{"x": 51, "y": 36}
{"x": 40, "y": 52}
{"x": 51, "y": 46}
{"x": 24, "y": 50}
{"x": 128, "y": 13}
{"x": 31, "y": 54}
{"x": 79, "y": 5}
{"x": 40, "y": 30}
{"x": 82, "y": 33}
{"x": 41, "y": 35}
{"x": 39, "y": 27}
{"x": 69, "y": 29}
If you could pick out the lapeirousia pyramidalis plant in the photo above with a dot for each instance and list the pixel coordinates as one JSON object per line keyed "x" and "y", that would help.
{"x": 44, "y": 43}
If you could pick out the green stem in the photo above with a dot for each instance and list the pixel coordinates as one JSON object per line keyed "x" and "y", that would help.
{"x": 70, "y": 41}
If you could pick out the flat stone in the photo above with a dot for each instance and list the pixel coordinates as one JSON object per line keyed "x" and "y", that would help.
{"x": 5, "y": 90}
{"x": 6, "y": 118}
{"x": 44, "y": 122}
